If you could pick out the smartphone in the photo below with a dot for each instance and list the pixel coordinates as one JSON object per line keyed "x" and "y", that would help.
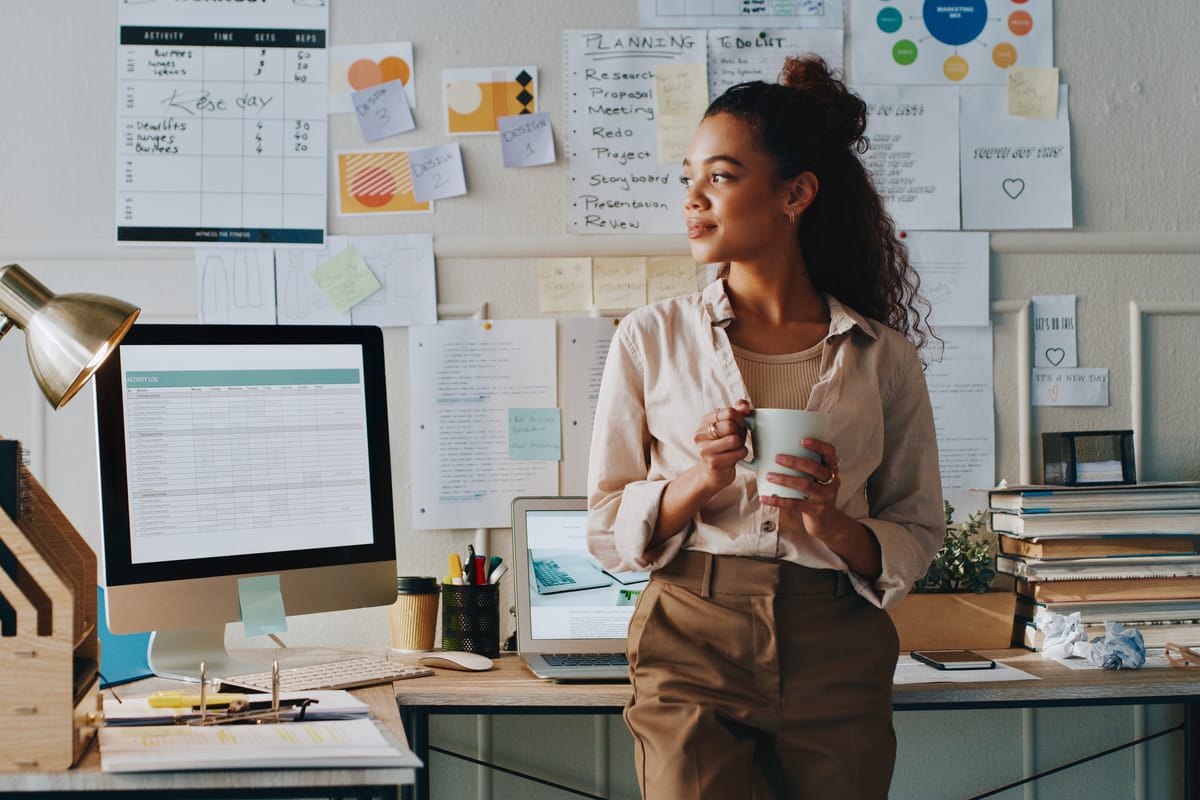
{"x": 953, "y": 659}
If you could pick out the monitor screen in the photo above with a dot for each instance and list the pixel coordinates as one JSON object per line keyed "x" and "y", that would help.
{"x": 236, "y": 451}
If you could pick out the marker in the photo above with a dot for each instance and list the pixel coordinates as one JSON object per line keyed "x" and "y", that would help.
{"x": 493, "y": 562}
{"x": 480, "y": 570}
{"x": 181, "y": 700}
{"x": 456, "y": 570}
{"x": 498, "y": 573}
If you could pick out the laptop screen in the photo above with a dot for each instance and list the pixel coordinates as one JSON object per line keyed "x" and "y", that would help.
{"x": 570, "y": 595}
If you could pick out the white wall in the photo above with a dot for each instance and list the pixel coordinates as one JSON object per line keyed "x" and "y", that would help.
{"x": 1135, "y": 99}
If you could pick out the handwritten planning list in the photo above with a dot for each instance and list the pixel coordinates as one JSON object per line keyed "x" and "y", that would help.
{"x": 615, "y": 183}
{"x": 221, "y": 123}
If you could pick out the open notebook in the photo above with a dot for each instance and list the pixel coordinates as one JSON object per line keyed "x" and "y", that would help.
{"x": 572, "y": 616}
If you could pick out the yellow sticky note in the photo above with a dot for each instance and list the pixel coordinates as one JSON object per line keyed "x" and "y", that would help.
{"x": 681, "y": 91}
{"x": 564, "y": 284}
{"x": 346, "y": 280}
{"x": 1033, "y": 92}
{"x": 669, "y": 276}
{"x": 619, "y": 282}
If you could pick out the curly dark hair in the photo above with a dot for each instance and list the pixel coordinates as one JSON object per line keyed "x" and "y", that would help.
{"x": 810, "y": 122}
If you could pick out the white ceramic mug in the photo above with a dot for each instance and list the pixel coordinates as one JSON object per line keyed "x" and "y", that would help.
{"x": 780, "y": 430}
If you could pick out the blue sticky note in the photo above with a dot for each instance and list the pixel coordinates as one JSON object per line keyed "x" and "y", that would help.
{"x": 261, "y": 605}
{"x": 123, "y": 657}
{"x": 534, "y": 434}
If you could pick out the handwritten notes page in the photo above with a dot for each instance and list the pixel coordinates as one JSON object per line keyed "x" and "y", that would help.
{"x": 913, "y": 156}
{"x": 473, "y": 373}
{"x": 615, "y": 183}
{"x": 585, "y": 342}
{"x": 1016, "y": 172}
{"x": 737, "y": 55}
{"x": 221, "y": 123}
{"x": 954, "y": 275}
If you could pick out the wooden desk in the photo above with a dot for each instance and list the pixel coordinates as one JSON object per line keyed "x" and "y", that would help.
{"x": 509, "y": 688}
{"x": 345, "y": 783}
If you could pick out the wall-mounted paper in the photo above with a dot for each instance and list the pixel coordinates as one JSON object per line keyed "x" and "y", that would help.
{"x": 916, "y": 41}
{"x": 405, "y": 266}
{"x": 564, "y": 284}
{"x": 260, "y": 604}
{"x": 235, "y": 287}
{"x": 526, "y": 140}
{"x": 1054, "y": 331}
{"x": 298, "y": 300}
{"x": 954, "y": 275}
{"x": 1033, "y": 92}
{"x": 475, "y": 97}
{"x": 382, "y": 111}
{"x": 583, "y": 345}
{"x": 345, "y": 279}
{"x": 353, "y": 67}
{"x": 669, "y": 276}
{"x": 376, "y": 182}
{"x": 728, "y": 13}
{"x": 1016, "y": 172}
{"x": 614, "y": 181}
{"x": 681, "y": 92}
{"x": 618, "y": 282}
{"x": 437, "y": 172}
{"x": 1070, "y": 387}
{"x": 473, "y": 372}
{"x": 737, "y": 55}
{"x": 913, "y": 156}
{"x": 534, "y": 434}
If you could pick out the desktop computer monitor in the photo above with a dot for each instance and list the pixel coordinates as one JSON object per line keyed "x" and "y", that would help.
{"x": 230, "y": 452}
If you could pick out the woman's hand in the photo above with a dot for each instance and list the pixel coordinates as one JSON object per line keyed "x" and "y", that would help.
{"x": 818, "y": 515}
{"x": 721, "y": 443}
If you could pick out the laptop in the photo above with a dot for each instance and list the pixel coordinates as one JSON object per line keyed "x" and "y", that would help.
{"x": 572, "y": 616}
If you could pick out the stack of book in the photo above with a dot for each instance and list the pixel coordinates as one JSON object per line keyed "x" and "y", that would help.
{"x": 1126, "y": 553}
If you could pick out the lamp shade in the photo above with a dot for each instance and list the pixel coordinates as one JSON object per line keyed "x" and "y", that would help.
{"x": 67, "y": 336}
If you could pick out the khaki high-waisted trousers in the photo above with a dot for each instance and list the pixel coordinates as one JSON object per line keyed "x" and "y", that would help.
{"x": 759, "y": 679}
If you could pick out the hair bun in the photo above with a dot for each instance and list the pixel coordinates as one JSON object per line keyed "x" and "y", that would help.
{"x": 838, "y": 114}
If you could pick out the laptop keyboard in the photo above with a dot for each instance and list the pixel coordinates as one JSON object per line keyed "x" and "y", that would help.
{"x": 585, "y": 659}
{"x": 549, "y": 573}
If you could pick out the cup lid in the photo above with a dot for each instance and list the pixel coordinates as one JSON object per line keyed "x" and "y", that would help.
{"x": 406, "y": 584}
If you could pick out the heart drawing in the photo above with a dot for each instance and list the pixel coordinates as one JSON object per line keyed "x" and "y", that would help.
{"x": 1013, "y": 187}
{"x": 1055, "y": 355}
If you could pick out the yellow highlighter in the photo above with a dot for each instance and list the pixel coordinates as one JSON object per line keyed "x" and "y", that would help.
{"x": 456, "y": 569}
{"x": 182, "y": 700}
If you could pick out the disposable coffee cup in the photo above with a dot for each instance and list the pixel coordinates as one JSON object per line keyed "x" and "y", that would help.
{"x": 414, "y": 615}
{"x": 776, "y": 431}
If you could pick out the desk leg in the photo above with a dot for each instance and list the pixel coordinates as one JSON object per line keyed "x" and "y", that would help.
{"x": 1191, "y": 751}
{"x": 416, "y": 725}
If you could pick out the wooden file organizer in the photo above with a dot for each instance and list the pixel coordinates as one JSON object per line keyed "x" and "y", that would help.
{"x": 49, "y": 670}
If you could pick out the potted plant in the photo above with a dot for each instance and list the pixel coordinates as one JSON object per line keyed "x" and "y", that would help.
{"x": 952, "y": 605}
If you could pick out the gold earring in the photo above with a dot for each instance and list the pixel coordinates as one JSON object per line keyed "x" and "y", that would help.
{"x": 792, "y": 217}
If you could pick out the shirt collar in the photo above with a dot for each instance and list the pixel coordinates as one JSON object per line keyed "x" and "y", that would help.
{"x": 841, "y": 318}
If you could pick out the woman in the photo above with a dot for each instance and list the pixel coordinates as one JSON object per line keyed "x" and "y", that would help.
{"x": 760, "y": 654}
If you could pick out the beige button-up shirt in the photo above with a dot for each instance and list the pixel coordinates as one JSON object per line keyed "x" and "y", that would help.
{"x": 671, "y": 363}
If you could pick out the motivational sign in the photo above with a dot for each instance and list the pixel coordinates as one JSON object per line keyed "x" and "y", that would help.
{"x": 615, "y": 183}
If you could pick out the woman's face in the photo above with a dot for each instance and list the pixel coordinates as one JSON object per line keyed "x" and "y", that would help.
{"x": 735, "y": 208}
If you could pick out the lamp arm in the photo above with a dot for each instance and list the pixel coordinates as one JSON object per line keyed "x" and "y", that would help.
{"x": 5, "y": 325}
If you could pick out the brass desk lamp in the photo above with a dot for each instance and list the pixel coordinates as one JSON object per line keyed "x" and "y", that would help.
{"x": 67, "y": 336}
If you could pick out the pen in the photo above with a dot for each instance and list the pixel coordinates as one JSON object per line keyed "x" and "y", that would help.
{"x": 480, "y": 571}
{"x": 498, "y": 573}
{"x": 181, "y": 700}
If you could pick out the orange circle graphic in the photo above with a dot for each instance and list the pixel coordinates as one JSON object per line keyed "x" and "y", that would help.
{"x": 394, "y": 68}
{"x": 1004, "y": 55}
{"x": 364, "y": 73}
{"x": 373, "y": 187}
{"x": 1020, "y": 23}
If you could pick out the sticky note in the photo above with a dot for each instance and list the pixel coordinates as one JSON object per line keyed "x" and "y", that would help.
{"x": 534, "y": 434}
{"x": 682, "y": 95}
{"x": 619, "y": 282}
{"x": 1033, "y": 92}
{"x": 382, "y": 110}
{"x": 564, "y": 284}
{"x": 526, "y": 140}
{"x": 261, "y": 605}
{"x": 437, "y": 172}
{"x": 345, "y": 280}
{"x": 669, "y": 276}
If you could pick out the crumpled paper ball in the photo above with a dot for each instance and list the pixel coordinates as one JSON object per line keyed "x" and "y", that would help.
{"x": 1118, "y": 648}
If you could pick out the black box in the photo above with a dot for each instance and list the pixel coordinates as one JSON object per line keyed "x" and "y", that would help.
{"x": 1088, "y": 458}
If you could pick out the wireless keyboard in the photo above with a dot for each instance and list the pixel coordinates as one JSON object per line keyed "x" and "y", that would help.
{"x": 347, "y": 674}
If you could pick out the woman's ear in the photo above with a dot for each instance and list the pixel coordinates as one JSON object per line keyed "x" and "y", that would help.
{"x": 801, "y": 192}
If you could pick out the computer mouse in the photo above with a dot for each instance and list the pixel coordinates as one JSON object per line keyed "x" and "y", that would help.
{"x": 455, "y": 659}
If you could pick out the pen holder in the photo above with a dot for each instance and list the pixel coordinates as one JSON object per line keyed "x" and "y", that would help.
{"x": 471, "y": 619}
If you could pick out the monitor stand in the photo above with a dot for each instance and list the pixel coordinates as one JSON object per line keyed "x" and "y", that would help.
{"x": 177, "y": 654}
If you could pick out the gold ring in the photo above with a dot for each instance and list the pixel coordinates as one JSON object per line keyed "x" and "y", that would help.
{"x": 832, "y": 477}
{"x": 712, "y": 430}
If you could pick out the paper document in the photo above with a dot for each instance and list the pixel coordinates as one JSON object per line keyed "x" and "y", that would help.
{"x": 327, "y": 704}
{"x": 909, "y": 670}
{"x": 341, "y": 743}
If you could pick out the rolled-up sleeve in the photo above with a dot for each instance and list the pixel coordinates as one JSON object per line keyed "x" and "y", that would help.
{"x": 623, "y": 503}
{"x": 905, "y": 491}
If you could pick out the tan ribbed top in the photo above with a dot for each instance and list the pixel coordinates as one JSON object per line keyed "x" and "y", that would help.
{"x": 783, "y": 381}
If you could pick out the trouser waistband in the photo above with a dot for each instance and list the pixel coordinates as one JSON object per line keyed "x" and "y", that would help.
{"x": 706, "y": 574}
